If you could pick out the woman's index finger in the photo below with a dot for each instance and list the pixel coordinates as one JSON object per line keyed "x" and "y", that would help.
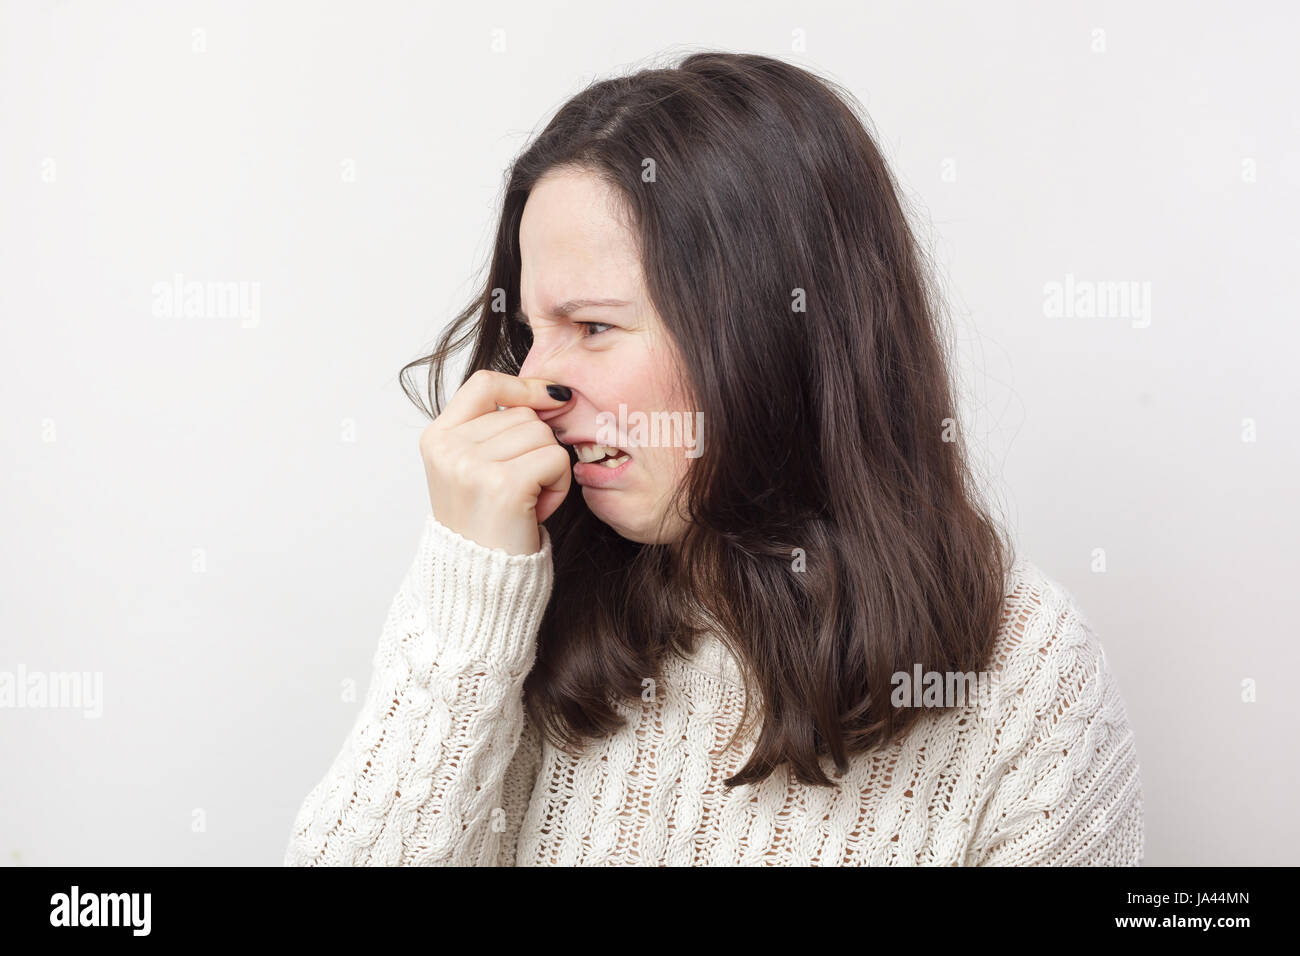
{"x": 487, "y": 391}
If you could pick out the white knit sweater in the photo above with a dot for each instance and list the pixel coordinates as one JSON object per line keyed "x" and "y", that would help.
{"x": 441, "y": 767}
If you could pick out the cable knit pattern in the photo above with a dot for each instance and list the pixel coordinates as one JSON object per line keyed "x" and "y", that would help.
{"x": 419, "y": 779}
{"x": 442, "y": 768}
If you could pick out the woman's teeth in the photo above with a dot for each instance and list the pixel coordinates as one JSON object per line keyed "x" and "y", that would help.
{"x": 594, "y": 453}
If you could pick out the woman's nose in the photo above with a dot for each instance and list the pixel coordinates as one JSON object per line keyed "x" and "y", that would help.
{"x": 536, "y": 366}
{"x": 545, "y": 362}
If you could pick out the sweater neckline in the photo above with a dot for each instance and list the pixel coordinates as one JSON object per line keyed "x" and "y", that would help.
{"x": 712, "y": 657}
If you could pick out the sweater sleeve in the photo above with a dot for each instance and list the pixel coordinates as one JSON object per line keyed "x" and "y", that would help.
{"x": 421, "y": 776}
{"x": 1066, "y": 788}
{"x": 517, "y": 792}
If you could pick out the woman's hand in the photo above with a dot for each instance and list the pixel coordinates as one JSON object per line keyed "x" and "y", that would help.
{"x": 495, "y": 475}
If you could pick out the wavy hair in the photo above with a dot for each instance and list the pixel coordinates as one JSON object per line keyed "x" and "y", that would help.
{"x": 835, "y": 536}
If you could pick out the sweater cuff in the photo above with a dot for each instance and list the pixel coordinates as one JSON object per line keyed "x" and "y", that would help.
{"x": 483, "y": 603}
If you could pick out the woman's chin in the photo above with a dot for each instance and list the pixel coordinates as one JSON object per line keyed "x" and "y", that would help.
{"x": 606, "y": 507}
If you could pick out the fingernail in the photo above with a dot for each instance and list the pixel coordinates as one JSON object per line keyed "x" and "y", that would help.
{"x": 561, "y": 393}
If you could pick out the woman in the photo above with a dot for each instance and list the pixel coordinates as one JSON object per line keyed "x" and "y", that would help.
{"x": 736, "y": 639}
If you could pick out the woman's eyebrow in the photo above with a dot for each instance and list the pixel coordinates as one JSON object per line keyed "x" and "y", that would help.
{"x": 573, "y": 305}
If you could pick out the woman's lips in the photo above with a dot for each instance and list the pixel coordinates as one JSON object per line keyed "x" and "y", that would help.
{"x": 592, "y": 474}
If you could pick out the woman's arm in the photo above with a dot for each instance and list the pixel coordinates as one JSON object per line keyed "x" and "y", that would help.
{"x": 419, "y": 780}
{"x": 1069, "y": 791}
{"x": 517, "y": 792}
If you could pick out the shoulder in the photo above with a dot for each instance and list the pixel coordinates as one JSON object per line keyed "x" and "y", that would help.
{"x": 1048, "y": 669}
{"x": 1043, "y": 628}
{"x": 1060, "y": 773}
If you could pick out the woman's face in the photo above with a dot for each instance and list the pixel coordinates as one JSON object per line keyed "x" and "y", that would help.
{"x": 616, "y": 358}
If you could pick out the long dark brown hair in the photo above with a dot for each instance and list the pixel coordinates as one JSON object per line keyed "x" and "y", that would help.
{"x": 835, "y": 533}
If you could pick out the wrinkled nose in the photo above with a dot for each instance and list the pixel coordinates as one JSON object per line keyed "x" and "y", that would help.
{"x": 537, "y": 365}
{"x": 534, "y": 364}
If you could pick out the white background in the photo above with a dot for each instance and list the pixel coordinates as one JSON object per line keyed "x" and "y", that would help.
{"x": 1162, "y": 150}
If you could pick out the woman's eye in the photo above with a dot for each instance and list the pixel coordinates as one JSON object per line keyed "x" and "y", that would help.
{"x": 594, "y": 328}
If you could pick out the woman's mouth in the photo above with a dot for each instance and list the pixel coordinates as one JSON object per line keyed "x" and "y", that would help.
{"x": 605, "y": 455}
{"x": 599, "y": 466}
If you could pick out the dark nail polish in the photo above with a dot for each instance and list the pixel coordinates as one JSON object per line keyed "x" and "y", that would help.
{"x": 561, "y": 393}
